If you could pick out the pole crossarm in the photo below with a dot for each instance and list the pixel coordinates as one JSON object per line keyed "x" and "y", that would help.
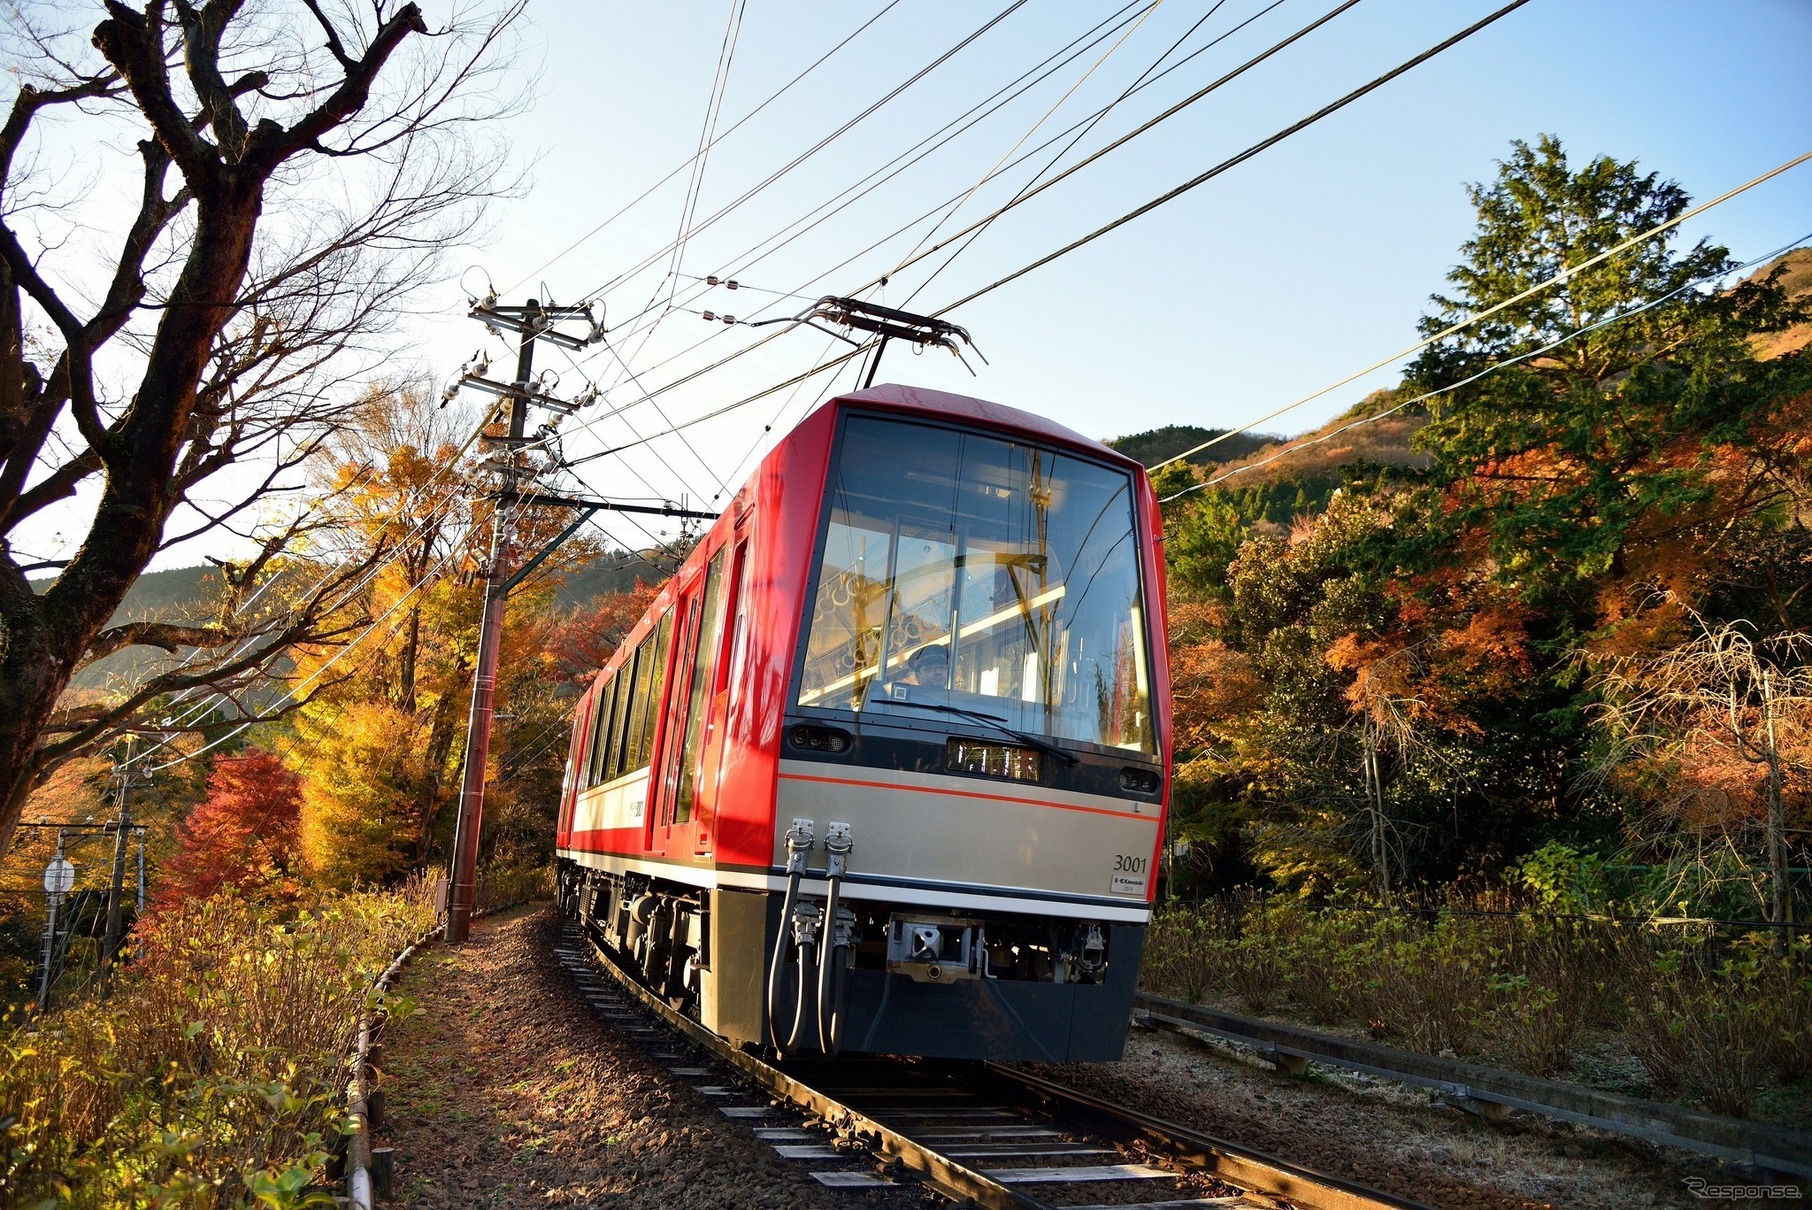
{"x": 542, "y": 499}
{"x": 510, "y": 390}
{"x": 537, "y": 321}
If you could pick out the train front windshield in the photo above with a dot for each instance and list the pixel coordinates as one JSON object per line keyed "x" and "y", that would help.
{"x": 978, "y": 573}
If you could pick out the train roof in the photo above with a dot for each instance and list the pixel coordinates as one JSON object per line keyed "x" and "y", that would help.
{"x": 926, "y": 402}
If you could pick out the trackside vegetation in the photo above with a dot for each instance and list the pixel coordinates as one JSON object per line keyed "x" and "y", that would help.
{"x": 211, "y": 1070}
{"x": 1674, "y": 1011}
{"x": 1494, "y": 697}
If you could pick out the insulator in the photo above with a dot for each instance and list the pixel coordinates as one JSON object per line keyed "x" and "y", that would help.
{"x": 731, "y": 284}
{"x": 711, "y": 280}
{"x": 729, "y": 319}
{"x": 708, "y": 314}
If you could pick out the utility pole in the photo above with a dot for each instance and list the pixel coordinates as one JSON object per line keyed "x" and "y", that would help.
{"x": 533, "y": 322}
{"x": 115, "y": 904}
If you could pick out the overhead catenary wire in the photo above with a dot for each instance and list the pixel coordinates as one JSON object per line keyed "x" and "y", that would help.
{"x": 1475, "y": 317}
{"x": 854, "y": 353}
{"x": 931, "y": 143}
{"x": 1171, "y": 111}
{"x": 1223, "y": 166}
{"x": 1235, "y": 160}
{"x": 1493, "y": 368}
{"x": 1087, "y": 127}
{"x": 707, "y": 134}
{"x": 1048, "y": 114}
{"x": 1144, "y": 127}
{"x": 754, "y": 191}
{"x": 646, "y": 193}
{"x": 720, "y": 82}
{"x": 945, "y": 134}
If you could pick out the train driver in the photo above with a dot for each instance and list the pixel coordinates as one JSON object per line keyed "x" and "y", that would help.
{"x": 929, "y": 667}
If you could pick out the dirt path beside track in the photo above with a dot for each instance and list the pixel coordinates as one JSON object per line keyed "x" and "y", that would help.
{"x": 506, "y": 1091}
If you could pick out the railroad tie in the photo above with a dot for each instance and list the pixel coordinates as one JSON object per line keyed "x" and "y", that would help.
{"x": 1078, "y": 1175}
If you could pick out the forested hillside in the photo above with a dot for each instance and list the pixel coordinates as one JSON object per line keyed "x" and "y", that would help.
{"x": 1487, "y": 634}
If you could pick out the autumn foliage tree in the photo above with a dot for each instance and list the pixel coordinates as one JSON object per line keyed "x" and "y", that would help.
{"x": 1390, "y": 672}
{"x": 380, "y": 740}
{"x": 245, "y": 835}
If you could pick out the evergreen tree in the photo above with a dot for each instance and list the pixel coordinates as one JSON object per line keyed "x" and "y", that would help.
{"x": 1570, "y": 461}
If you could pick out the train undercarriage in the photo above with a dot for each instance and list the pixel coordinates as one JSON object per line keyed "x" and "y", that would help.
{"x": 828, "y": 974}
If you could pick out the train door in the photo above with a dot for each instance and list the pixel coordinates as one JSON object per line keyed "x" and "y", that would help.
{"x": 694, "y": 663}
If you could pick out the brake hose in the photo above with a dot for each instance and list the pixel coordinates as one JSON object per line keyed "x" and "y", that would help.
{"x": 833, "y": 984}
{"x": 798, "y": 848}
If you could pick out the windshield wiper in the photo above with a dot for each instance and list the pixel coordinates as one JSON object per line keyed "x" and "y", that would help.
{"x": 995, "y": 721}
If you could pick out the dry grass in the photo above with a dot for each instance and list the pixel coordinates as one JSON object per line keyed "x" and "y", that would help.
{"x": 1714, "y": 1020}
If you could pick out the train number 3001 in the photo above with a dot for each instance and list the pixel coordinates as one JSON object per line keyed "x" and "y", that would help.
{"x": 1125, "y": 863}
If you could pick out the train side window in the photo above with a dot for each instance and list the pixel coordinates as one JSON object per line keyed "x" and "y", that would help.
{"x": 579, "y": 758}
{"x": 600, "y": 732}
{"x": 619, "y": 724}
{"x": 660, "y": 643}
{"x": 708, "y": 636}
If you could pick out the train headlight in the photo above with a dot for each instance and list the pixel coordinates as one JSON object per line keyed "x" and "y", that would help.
{"x": 1140, "y": 781}
{"x": 818, "y": 739}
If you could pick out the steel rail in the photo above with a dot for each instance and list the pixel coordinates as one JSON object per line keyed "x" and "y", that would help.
{"x": 955, "y": 1181}
{"x": 1241, "y": 1166}
{"x": 1230, "y": 1162}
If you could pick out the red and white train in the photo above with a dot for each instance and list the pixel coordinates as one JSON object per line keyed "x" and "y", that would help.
{"x": 885, "y": 766}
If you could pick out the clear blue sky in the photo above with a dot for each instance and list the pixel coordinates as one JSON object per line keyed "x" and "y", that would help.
{"x": 1284, "y": 274}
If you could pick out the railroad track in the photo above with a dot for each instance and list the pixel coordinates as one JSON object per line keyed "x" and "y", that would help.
{"x": 979, "y": 1134}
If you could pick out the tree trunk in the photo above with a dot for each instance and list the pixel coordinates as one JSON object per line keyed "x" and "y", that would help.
{"x": 442, "y": 732}
{"x": 50, "y": 633}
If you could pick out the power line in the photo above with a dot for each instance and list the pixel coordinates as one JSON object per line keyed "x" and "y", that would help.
{"x": 1468, "y": 320}
{"x": 643, "y": 196}
{"x": 926, "y": 146}
{"x": 1248, "y": 65}
{"x": 731, "y": 407}
{"x": 1250, "y": 152}
{"x": 821, "y": 144}
{"x": 1137, "y": 131}
{"x": 1047, "y": 115}
{"x": 445, "y": 501}
{"x": 720, "y": 83}
{"x": 938, "y": 139}
{"x": 290, "y": 693}
{"x": 1241, "y": 158}
{"x": 1070, "y": 146}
